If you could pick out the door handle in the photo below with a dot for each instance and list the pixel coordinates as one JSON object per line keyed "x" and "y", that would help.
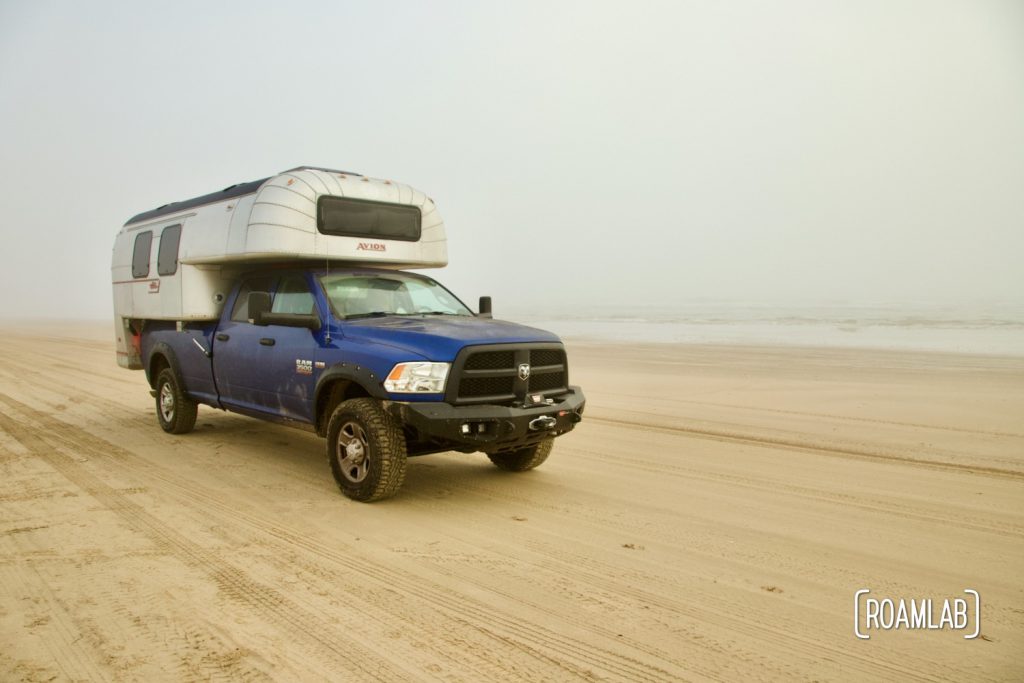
{"x": 267, "y": 341}
{"x": 223, "y": 337}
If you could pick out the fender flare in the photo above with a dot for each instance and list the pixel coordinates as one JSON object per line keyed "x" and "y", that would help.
{"x": 364, "y": 377}
{"x": 164, "y": 349}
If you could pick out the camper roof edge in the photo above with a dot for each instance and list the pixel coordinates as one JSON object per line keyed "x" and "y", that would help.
{"x": 236, "y": 190}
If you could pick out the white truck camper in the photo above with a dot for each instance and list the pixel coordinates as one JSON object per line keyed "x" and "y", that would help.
{"x": 178, "y": 262}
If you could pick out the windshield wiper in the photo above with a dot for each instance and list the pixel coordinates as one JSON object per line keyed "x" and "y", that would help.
{"x": 374, "y": 314}
{"x": 381, "y": 314}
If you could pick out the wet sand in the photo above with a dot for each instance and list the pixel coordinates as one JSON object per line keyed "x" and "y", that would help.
{"x": 710, "y": 519}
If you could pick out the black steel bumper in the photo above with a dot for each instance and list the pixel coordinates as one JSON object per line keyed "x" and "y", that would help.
{"x": 489, "y": 427}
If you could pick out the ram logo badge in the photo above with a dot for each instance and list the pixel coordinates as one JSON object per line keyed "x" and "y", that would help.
{"x": 303, "y": 367}
{"x": 524, "y": 371}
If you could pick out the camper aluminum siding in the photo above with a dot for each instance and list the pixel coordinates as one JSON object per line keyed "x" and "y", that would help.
{"x": 275, "y": 219}
{"x": 279, "y": 222}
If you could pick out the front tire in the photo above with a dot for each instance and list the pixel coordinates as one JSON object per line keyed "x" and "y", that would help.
{"x": 366, "y": 449}
{"x": 175, "y": 411}
{"x": 524, "y": 458}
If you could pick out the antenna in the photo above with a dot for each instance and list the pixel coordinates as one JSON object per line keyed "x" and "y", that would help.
{"x": 327, "y": 275}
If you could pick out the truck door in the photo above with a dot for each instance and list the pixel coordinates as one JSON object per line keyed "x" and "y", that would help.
{"x": 291, "y": 353}
{"x": 236, "y": 351}
{"x": 268, "y": 368}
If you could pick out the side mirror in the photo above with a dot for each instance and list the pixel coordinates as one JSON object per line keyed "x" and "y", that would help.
{"x": 259, "y": 306}
{"x": 485, "y": 307}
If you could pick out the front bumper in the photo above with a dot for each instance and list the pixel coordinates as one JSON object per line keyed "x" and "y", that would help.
{"x": 488, "y": 427}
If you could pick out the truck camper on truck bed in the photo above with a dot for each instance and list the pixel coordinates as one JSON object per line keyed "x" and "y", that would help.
{"x": 285, "y": 299}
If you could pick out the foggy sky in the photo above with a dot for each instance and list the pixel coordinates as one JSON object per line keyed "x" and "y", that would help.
{"x": 582, "y": 154}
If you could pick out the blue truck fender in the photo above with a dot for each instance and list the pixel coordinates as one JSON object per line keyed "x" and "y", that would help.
{"x": 165, "y": 350}
{"x": 341, "y": 382}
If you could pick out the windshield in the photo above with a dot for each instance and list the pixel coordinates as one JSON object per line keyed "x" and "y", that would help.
{"x": 364, "y": 296}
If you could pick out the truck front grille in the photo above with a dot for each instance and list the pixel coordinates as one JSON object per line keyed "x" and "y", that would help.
{"x": 475, "y": 387}
{"x": 490, "y": 374}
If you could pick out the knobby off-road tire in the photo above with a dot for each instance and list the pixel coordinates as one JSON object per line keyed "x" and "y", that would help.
{"x": 366, "y": 449}
{"x": 523, "y": 459}
{"x": 175, "y": 411}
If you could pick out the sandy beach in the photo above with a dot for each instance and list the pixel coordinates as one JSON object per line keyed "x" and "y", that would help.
{"x": 710, "y": 519}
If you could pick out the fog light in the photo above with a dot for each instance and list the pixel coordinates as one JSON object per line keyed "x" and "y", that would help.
{"x": 465, "y": 428}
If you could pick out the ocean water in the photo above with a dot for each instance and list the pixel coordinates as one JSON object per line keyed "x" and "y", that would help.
{"x": 994, "y": 329}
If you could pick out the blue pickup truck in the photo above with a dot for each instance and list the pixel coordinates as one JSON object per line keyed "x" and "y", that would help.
{"x": 288, "y": 299}
{"x": 385, "y": 364}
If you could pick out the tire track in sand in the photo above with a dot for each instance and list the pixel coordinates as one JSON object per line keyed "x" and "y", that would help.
{"x": 727, "y": 621}
{"x": 805, "y": 413}
{"x": 570, "y": 656}
{"x": 232, "y": 582}
{"x": 72, "y": 661}
{"x": 862, "y": 502}
{"x": 811, "y": 447}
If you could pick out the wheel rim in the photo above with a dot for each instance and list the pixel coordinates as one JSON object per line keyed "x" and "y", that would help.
{"x": 353, "y": 452}
{"x": 166, "y": 402}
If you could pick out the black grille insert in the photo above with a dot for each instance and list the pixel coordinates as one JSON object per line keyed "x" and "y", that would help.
{"x": 494, "y": 374}
{"x": 539, "y": 357}
{"x": 547, "y": 381}
{"x": 475, "y": 387}
{"x": 490, "y": 360}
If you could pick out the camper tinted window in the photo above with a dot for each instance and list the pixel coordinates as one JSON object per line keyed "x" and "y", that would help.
{"x": 364, "y": 218}
{"x": 140, "y": 255}
{"x": 167, "y": 257}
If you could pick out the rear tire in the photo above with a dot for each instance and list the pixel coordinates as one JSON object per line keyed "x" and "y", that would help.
{"x": 366, "y": 449}
{"x": 175, "y": 411}
{"x": 523, "y": 459}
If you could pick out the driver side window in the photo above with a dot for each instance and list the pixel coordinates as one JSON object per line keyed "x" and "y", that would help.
{"x": 293, "y": 296}
{"x": 240, "y": 312}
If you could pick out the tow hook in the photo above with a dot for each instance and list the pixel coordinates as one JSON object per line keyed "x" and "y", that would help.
{"x": 542, "y": 422}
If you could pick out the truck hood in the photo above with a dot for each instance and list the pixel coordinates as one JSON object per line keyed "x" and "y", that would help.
{"x": 440, "y": 337}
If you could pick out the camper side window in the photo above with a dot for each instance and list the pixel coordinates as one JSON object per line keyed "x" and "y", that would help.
{"x": 167, "y": 256}
{"x": 140, "y": 254}
{"x": 240, "y": 312}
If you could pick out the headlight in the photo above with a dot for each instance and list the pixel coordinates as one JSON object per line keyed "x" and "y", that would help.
{"x": 417, "y": 378}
